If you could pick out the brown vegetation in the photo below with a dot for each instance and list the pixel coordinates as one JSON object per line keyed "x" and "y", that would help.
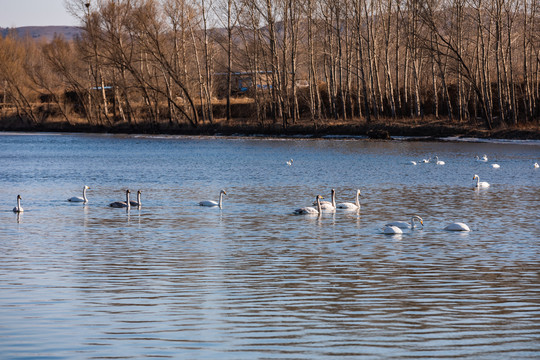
{"x": 340, "y": 66}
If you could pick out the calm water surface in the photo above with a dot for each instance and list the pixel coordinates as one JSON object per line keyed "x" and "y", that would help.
{"x": 252, "y": 281}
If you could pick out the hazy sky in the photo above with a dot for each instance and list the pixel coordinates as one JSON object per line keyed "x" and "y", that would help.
{"x": 15, "y": 13}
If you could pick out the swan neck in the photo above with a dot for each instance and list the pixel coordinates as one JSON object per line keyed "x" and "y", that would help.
{"x": 127, "y": 199}
{"x": 18, "y": 203}
{"x": 139, "y": 199}
{"x": 84, "y": 194}
{"x": 220, "y": 199}
{"x": 319, "y": 205}
{"x": 334, "y": 199}
{"x": 357, "y": 199}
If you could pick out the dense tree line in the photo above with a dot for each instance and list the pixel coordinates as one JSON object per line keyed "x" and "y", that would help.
{"x": 167, "y": 61}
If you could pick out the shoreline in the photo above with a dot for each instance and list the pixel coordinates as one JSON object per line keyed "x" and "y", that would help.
{"x": 418, "y": 129}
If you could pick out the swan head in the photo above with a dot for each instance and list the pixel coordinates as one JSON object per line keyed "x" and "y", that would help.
{"x": 475, "y": 177}
{"x": 19, "y": 197}
{"x": 86, "y": 187}
{"x": 358, "y": 192}
{"x": 416, "y": 217}
{"x": 223, "y": 192}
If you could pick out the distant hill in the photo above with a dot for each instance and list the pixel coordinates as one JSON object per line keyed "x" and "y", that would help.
{"x": 44, "y": 33}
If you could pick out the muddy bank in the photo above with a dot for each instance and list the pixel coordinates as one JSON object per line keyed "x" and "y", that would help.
{"x": 427, "y": 129}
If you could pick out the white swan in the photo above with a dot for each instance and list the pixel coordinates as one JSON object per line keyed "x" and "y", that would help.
{"x": 457, "y": 226}
{"x": 213, "y": 203}
{"x": 495, "y": 166}
{"x": 122, "y": 204}
{"x": 480, "y": 184}
{"x": 351, "y": 206}
{"x": 536, "y": 166}
{"x": 18, "y": 208}
{"x": 328, "y": 205}
{"x": 82, "y": 199}
{"x": 308, "y": 210}
{"x": 290, "y": 162}
{"x": 483, "y": 159}
{"x": 391, "y": 230}
{"x": 407, "y": 225}
{"x": 138, "y": 202}
{"x": 438, "y": 162}
{"x": 425, "y": 161}
{"x": 412, "y": 162}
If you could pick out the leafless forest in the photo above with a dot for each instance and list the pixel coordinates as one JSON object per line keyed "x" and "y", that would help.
{"x": 194, "y": 62}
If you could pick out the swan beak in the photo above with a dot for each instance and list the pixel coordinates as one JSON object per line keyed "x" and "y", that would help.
{"x": 422, "y": 222}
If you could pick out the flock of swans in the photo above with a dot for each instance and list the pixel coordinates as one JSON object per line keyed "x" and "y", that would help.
{"x": 124, "y": 204}
{"x": 319, "y": 206}
{"x": 396, "y": 227}
{"x": 391, "y": 228}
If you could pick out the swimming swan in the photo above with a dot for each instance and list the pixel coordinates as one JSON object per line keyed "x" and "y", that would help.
{"x": 82, "y": 199}
{"x": 351, "y": 206}
{"x": 480, "y": 184}
{"x": 495, "y": 166}
{"x": 438, "y": 162}
{"x": 212, "y": 203}
{"x": 328, "y": 205}
{"x": 391, "y": 230}
{"x": 122, "y": 204}
{"x": 290, "y": 162}
{"x": 483, "y": 159}
{"x": 407, "y": 225}
{"x": 536, "y": 166}
{"x": 138, "y": 202}
{"x": 457, "y": 226}
{"x": 308, "y": 210}
{"x": 18, "y": 208}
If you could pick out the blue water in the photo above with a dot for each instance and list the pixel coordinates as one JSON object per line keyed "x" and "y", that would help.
{"x": 252, "y": 280}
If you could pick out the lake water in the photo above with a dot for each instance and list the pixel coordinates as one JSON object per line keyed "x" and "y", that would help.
{"x": 252, "y": 280}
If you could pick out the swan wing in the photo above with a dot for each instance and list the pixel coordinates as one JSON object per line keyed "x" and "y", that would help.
{"x": 76, "y": 199}
{"x": 399, "y": 224}
{"x": 328, "y": 207}
{"x": 457, "y": 227}
{"x": 208, "y": 203}
{"x": 308, "y": 210}
{"x": 347, "y": 206}
{"x": 389, "y": 229}
{"x": 118, "y": 204}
